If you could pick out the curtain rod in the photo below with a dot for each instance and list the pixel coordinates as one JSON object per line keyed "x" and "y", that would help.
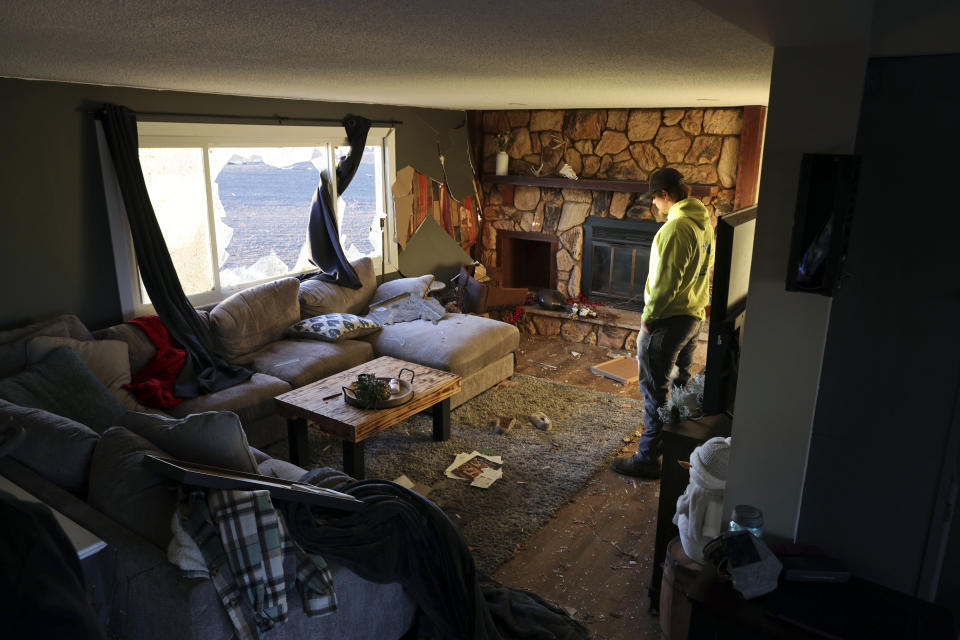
{"x": 274, "y": 118}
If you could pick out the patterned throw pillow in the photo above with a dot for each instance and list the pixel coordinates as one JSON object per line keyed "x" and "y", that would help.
{"x": 333, "y": 327}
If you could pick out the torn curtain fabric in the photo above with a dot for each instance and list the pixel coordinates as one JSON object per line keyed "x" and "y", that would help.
{"x": 204, "y": 371}
{"x": 325, "y": 247}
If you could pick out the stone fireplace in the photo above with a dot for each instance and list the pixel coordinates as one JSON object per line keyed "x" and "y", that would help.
{"x": 613, "y": 152}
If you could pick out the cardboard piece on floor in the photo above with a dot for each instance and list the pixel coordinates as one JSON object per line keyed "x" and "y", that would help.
{"x": 404, "y": 481}
{"x": 624, "y": 370}
{"x": 431, "y": 250}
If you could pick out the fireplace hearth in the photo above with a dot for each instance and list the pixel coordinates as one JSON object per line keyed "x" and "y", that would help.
{"x": 616, "y": 255}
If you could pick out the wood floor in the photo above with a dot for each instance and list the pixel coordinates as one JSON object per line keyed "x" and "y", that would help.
{"x": 595, "y": 557}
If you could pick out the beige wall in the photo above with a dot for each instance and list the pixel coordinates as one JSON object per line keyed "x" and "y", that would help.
{"x": 55, "y": 250}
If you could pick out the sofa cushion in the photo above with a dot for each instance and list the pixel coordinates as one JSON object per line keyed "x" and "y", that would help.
{"x": 57, "y": 448}
{"x": 301, "y": 362}
{"x": 140, "y": 348}
{"x": 130, "y": 493}
{"x": 214, "y": 438}
{"x": 60, "y": 383}
{"x": 250, "y": 400}
{"x": 417, "y": 287}
{"x": 318, "y": 297}
{"x": 333, "y": 327}
{"x": 13, "y": 350}
{"x": 255, "y": 317}
{"x": 282, "y": 469}
{"x": 458, "y": 343}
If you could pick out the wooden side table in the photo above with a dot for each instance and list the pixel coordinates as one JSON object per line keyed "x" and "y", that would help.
{"x": 321, "y": 405}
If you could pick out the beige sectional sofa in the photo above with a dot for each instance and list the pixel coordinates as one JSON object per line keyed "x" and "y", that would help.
{"x": 250, "y": 327}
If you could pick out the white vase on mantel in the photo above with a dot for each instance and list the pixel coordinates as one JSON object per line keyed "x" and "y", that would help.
{"x": 503, "y": 161}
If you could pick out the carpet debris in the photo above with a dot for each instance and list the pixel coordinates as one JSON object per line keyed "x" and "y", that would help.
{"x": 488, "y": 521}
{"x": 503, "y": 424}
{"x": 541, "y": 421}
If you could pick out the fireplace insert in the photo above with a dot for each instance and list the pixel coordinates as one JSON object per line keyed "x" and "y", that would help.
{"x": 616, "y": 255}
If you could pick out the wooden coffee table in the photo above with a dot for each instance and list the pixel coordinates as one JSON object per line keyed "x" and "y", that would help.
{"x": 320, "y": 404}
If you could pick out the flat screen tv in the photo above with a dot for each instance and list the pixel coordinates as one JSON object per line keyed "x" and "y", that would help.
{"x": 728, "y": 306}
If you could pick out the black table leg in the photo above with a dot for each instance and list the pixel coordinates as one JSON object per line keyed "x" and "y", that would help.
{"x": 441, "y": 420}
{"x": 297, "y": 441}
{"x": 353, "y": 459}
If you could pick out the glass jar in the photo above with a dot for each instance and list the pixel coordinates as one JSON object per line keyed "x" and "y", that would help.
{"x": 747, "y": 518}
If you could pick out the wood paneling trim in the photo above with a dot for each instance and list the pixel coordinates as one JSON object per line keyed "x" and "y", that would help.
{"x": 748, "y": 165}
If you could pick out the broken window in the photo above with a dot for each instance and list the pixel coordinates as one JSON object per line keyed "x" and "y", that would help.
{"x": 233, "y": 201}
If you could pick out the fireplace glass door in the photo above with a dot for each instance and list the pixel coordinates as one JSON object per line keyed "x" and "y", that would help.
{"x": 616, "y": 256}
{"x": 619, "y": 270}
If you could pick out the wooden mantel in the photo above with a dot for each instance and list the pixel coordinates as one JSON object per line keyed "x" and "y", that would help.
{"x": 627, "y": 186}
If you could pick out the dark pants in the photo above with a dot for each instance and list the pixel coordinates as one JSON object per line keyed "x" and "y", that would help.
{"x": 672, "y": 342}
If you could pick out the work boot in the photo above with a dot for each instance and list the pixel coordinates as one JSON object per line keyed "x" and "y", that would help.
{"x": 634, "y": 466}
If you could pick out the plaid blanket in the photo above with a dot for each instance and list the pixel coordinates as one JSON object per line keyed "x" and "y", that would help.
{"x": 252, "y": 560}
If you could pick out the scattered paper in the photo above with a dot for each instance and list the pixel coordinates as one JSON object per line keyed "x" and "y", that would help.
{"x": 482, "y": 470}
{"x": 404, "y": 481}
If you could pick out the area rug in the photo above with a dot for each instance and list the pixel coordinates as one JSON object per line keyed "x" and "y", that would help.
{"x": 541, "y": 469}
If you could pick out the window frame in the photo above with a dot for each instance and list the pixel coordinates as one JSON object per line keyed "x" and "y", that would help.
{"x": 164, "y": 134}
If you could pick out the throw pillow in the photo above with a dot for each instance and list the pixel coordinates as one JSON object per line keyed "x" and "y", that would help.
{"x": 60, "y": 383}
{"x": 318, "y": 297}
{"x": 130, "y": 493}
{"x": 416, "y": 287}
{"x": 57, "y": 448}
{"x": 13, "y": 342}
{"x": 141, "y": 349}
{"x": 215, "y": 438}
{"x": 333, "y": 327}
{"x": 109, "y": 360}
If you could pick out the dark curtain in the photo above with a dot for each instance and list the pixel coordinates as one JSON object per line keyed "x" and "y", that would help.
{"x": 204, "y": 371}
{"x": 324, "y": 235}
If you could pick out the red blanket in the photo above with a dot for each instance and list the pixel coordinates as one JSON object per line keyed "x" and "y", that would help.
{"x": 153, "y": 384}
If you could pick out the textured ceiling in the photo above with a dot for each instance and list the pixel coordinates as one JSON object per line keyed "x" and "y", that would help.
{"x": 493, "y": 54}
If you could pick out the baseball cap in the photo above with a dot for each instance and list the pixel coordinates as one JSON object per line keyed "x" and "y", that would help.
{"x": 666, "y": 178}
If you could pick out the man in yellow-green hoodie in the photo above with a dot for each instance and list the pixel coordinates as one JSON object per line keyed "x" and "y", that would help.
{"x": 675, "y": 298}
